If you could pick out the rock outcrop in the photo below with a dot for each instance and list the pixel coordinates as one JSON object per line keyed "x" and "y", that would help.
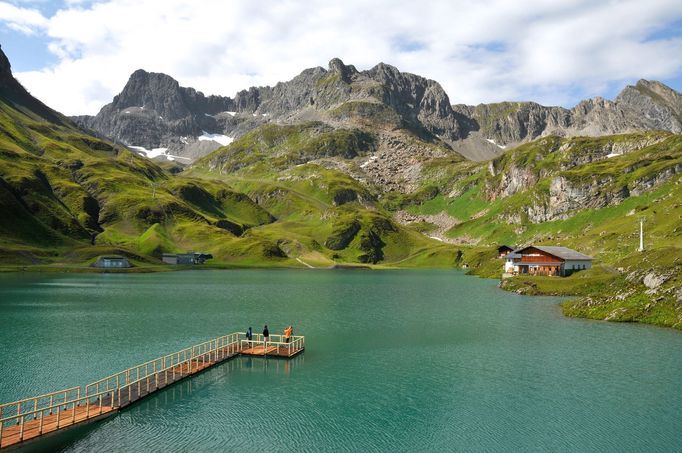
{"x": 13, "y": 92}
{"x": 153, "y": 111}
{"x": 648, "y": 105}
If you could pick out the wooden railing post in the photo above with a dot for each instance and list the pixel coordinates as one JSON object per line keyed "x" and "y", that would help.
{"x": 40, "y": 425}
{"x": 199, "y": 356}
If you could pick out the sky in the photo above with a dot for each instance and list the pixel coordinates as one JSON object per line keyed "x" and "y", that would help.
{"x": 75, "y": 55}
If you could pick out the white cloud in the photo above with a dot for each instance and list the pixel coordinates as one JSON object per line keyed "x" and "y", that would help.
{"x": 480, "y": 51}
{"x": 24, "y": 20}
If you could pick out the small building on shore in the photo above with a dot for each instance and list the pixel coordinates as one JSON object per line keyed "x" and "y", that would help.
{"x": 112, "y": 262}
{"x": 504, "y": 250}
{"x": 546, "y": 260}
{"x": 186, "y": 258}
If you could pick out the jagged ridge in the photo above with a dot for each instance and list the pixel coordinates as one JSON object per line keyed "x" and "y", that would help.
{"x": 154, "y": 111}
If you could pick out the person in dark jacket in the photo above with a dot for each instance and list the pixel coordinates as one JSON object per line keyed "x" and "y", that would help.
{"x": 266, "y": 334}
{"x": 249, "y": 334}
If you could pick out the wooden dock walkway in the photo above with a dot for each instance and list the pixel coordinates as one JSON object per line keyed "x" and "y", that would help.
{"x": 31, "y": 418}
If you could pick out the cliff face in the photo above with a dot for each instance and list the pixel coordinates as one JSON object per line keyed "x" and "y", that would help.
{"x": 154, "y": 111}
{"x": 12, "y": 92}
{"x": 646, "y": 106}
{"x": 556, "y": 177}
{"x": 658, "y": 104}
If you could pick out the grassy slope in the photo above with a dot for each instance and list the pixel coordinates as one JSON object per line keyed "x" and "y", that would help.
{"x": 311, "y": 216}
{"x": 259, "y": 202}
{"x": 614, "y": 289}
{"x": 323, "y": 215}
{"x": 62, "y": 188}
{"x": 71, "y": 196}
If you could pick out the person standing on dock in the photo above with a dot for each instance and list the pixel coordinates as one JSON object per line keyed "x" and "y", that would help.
{"x": 249, "y": 334}
{"x": 266, "y": 335}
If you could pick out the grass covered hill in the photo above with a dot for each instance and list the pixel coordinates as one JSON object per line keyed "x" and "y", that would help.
{"x": 585, "y": 193}
{"x": 362, "y": 191}
{"x": 68, "y": 197}
{"x": 68, "y": 192}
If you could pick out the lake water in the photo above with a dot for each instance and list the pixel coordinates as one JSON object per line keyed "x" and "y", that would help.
{"x": 395, "y": 361}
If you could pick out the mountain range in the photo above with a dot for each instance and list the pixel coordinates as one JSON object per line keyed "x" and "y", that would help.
{"x": 340, "y": 167}
{"x": 154, "y": 112}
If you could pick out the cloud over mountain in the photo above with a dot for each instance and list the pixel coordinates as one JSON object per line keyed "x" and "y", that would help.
{"x": 552, "y": 52}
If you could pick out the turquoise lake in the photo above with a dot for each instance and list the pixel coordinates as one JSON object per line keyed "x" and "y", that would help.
{"x": 410, "y": 360}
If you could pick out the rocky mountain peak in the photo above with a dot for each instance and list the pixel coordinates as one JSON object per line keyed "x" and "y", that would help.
{"x": 655, "y": 102}
{"x": 5, "y": 67}
{"x": 336, "y": 66}
{"x": 384, "y": 71}
{"x": 12, "y": 91}
{"x": 153, "y": 110}
{"x": 656, "y": 87}
{"x": 154, "y": 91}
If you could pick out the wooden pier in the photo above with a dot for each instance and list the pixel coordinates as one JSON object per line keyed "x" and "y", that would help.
{"x": 32, "y": 418}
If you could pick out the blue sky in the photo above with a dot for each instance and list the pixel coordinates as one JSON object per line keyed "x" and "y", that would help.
{"x": 77, "y": 54}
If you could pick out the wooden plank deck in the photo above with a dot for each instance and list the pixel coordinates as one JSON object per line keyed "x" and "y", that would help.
{"x": 133, "y": 392}
{"x": 82, "y": 410}
{"x": 12, "y": 435}
{"x": 275, "y": 351}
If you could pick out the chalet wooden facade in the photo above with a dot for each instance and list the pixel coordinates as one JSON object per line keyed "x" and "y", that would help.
{"x": 504, "y": 250}
{"x": 546, "y": 260}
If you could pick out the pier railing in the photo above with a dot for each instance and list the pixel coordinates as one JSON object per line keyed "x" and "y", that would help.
{"x": 296, "y": 342}
{"x": 16, "y": 408}
{"x": 172, "y": 364}
{"x": 34, "y": 422}
{"x": 31, "y": 417}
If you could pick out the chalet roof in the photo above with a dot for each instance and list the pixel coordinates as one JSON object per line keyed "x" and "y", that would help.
{"x": 560, "y": 252}
{"x": 505, "y": 246}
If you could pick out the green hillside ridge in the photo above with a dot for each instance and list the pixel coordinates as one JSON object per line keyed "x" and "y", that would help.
{"x": 314, "y": 205}
{"x": 68, "y": 192}
{"x": 272, "y": 147}
{"x": 297, "y": 196}
{"x": 642, "y": 183}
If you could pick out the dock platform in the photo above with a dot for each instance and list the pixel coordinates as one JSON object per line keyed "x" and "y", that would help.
{"x": 276, "y": 346}
{"x": 32, "y": 418}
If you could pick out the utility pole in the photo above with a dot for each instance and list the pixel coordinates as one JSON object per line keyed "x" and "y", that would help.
{"x": 641, "y": 235}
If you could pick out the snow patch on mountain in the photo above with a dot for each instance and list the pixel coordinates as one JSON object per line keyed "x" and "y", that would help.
{"x": 222, "y": 139}
{"x": 489, "y": 140}
{"x": 156, "y": 152}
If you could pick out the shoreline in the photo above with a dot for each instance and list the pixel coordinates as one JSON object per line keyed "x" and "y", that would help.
{"x": 602, "y": 294}
{"x": 38, "y": 269}
{"x": 588, "y": 293}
